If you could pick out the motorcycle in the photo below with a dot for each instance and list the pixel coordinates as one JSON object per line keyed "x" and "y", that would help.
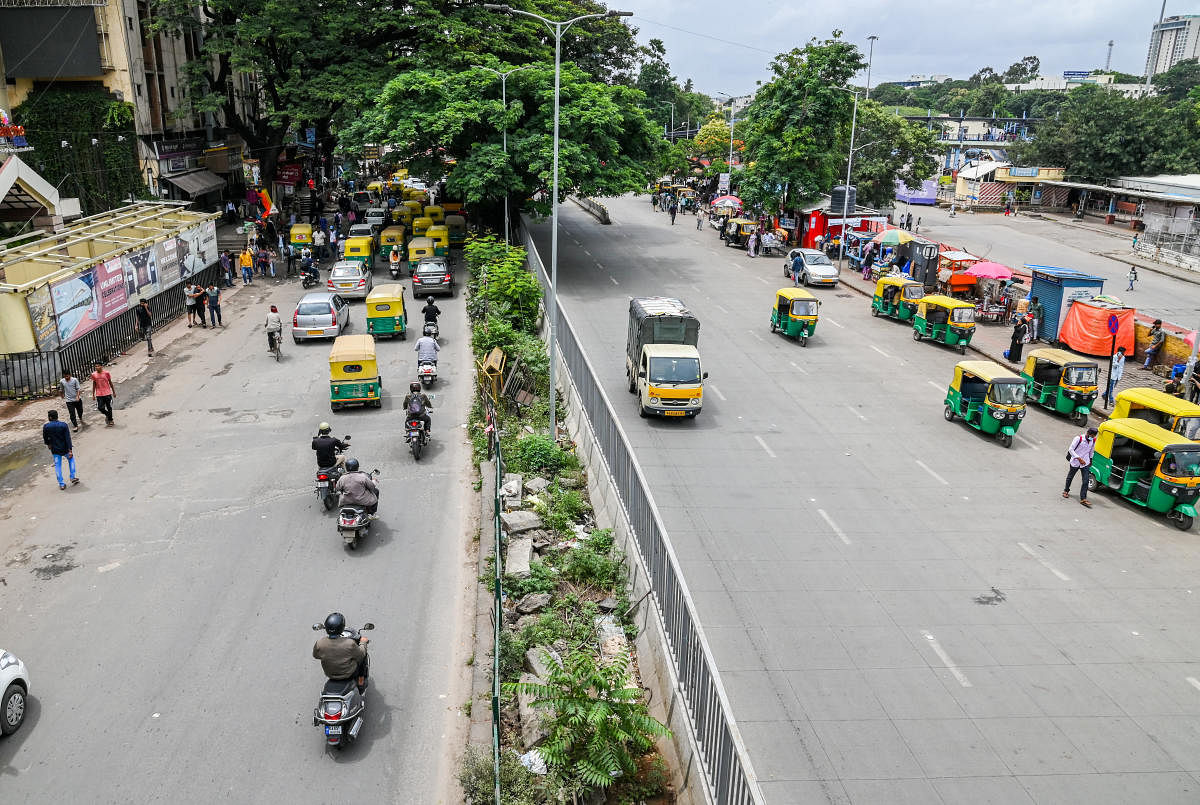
{"x": 416, "y": 436}
{"x": 427, "y": 373}
{"x": 340, "y": 709}
{"x": 431, "y": 330}
{"x": 354, "y": 522}
{"x": 327, "y": 478}
{"x": 310, "y": 277}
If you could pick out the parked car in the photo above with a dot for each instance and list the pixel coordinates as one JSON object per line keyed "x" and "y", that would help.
{"x": 14, "y": 681}
{"x": 432, "y": 275}
{"x": 818, "y": 269}
{"x": 320, "y": 315}
{"x": 350, "y": 279}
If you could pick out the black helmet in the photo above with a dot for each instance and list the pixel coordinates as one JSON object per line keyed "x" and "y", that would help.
{"x": 335, "y": 624}
{"x": 352, "y": 465}
{"x": 414, "y": 386}
{"x": 429, "y": 300}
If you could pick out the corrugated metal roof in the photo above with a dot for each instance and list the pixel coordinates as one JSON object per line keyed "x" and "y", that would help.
{"x": 981, "y": 169}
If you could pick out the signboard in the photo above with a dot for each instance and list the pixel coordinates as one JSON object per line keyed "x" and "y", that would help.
{"x": 250, "y": 172}
{"x": 1069, "y": 74}
{"x": 174, "y": 148}
{"x": 41, "y": 316}
{"x": 196, "y": 249}
{"x": 168, "y": 263}
{"x": 88, "y": 299}
{"x": 289, "y": 173}
{"x": 787, "y": 223}
{"x": 141, "y": 273}
{"x": 1023, "y": 172}
{"x": 1114, "y": 324}
{"x": 723, "y": 183}
{"x": 370, "y": 152}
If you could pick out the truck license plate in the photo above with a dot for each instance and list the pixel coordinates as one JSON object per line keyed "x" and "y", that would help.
{"x": 333, "y": 730}
{"x": 672, "y": 413}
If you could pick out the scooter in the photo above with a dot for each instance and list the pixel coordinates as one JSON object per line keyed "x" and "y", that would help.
{"x": 327, "y": 478}
{"x": 416, "y": 436}
{"x": 394, "y": 269}
{"x": 431, "y": 330}
{"x": 427, "y": 373}
{"x": 354, "y": 522}
{"x": 310, "y": 277}
{"x": 340, "y": 709}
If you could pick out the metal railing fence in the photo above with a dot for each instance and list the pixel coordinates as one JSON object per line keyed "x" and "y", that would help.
{"x": 724, "y": 760}
{"x": 497, "y": 576}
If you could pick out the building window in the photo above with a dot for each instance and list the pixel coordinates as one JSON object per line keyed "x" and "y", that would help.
{"x": 139, "y": 89}
{"x": 172, "y": 92}
{"x": 129, "y": 21}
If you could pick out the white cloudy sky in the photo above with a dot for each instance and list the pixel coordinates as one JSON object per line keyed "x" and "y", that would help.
{"x": 915, "y": 36}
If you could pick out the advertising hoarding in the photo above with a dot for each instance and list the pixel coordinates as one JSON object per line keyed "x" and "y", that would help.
{"x": 141, "y": 273}
{"x": 41, "y": 316}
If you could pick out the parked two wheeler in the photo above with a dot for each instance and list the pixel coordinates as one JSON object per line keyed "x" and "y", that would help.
{"x": 327, "y": 478}
{"x": 341, "y": 707}
{"x": 354, "y": 522}
{"x": 427, "y": 373}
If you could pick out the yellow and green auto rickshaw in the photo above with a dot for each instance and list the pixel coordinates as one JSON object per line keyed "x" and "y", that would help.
{"x": 418, "y": 248}
{"x": 988, "y": 397}
{"x": 415, "y": 208}
{"x": 300, "y": 236}
{"x": 440, "y": 236}
{"x": 1062, "y": 382}
{"x": 1159, "y": 408}
{"x": 795, "y": 313}
{"x": 452, "y": 207}
{"x": 436, "y": 213}
{"x": 737, "y": 231}
{"x": 362, "y": 250}
{"x": 457, "y": 225}
{"x": 354, "y": 373}
{"x": 940, "y": 318}
{"x": 897, "y": 297}
{"x": 1149, "y": 466}
{"x": 420, "y": 226}
{"x": 385, "y": 311}
{"x": 391, "y": 238}
{"x": 375, "y": 189}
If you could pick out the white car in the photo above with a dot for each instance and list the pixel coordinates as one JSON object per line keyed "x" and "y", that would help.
{"x": 817, "y": 269}
{"x": 14, "y": 680}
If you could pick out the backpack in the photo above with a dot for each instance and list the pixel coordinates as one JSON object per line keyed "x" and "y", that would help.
{"x": 415, "y": 406}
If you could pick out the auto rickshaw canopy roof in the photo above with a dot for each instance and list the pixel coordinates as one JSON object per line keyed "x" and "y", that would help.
{"x": 359, "y": 245}
{"x": 458, "y": 222}
{"x": 420, "y": 243}
{"x": 940, "y": 300}
{"x": 422, "y": 222}
{"x": 792, "y": 294}
{"x": 1153, "y": 436}
{"x": 301, "y": 232}
{"x": 415, "y": 206}
{"x": 357, "y": 347}
{"x": 1059, "y": 357}
{"x": 392, "y": 234}
{"x": 388, "y": 293}
{"x": 893, "y": 279}
{"x": 986, "y": 370}
{"x": 1158, "y": 400}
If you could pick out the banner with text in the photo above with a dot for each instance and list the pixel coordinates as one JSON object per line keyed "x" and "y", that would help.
{"x": 141, "y": 273}
{"x": 88, "y": 299}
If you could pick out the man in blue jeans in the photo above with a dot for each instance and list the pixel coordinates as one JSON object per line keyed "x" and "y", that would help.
{"x": 57, "y": 437}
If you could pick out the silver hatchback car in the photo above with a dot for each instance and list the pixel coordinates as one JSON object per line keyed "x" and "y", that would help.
{"x": 817, "y": 269}
{"x": 320, "y": 315}
{"x": 350, "y": 279}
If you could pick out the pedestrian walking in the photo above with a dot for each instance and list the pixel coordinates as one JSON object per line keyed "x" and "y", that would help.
{"x": 70, "y": 389}
{"x": 1135, "y": 241}
{"x": 319, "y": 244}
{"x": 673, "y": 210}
{"x": 200, "y": 300}
{"x": 1037, "y": 312}
{"x": 144, "y": 324}
{"x": 1079, "y": 461}
{"x": 751, "y": 242}
{"x": 189, "y": 302}
{"x": 1132, "y": 277}
{"x": 909, "y": 227}
{"x": 246, "y": 261}
{"x": 272, "y": 257}
{"x": 1193, "y": 390}
{"x": 226, "y": 261}
{"x": 701, "y": 216}
{"x": 58, "y": 438}
{"x": 1114, "y": 376}
{"x": 1020, "y": 330}
{"x": 918, "y": 227}
{"x": 333, "y": 240}
{"x": 102, "y": 393}
{"x": 797, "y": 265}
{"x": 264, "y": 260}
{"x": 230, "y": 213}
{"x": 214, "y": 305}
{"x": 654, "y": 202}
{"x": 1157, "y": 337}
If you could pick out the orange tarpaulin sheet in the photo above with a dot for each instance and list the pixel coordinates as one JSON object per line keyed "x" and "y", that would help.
{"x": 1085, "y": 329}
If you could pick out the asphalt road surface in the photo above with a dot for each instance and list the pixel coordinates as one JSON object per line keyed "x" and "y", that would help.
{"x": 164, "y": 605}
{"x": 901, "y": 609}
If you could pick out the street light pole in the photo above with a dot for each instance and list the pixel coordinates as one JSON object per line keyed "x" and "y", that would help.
{"x": 504, "y": 103}
{"x": 846, "y": 189}
{"x": 558, "y": 29}
{"x": 870, "y": 58}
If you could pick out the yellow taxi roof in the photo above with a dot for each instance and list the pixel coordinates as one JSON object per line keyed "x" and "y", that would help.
{"x": 394, "y": 228}
{"x": 794, "y": 293}
{"x": 375, "y": 186}
{"x": 424, "y": 221}
{"x": 1153, "y": 436}
{"x": 1159, "y": 401}
{"x": 358, "y": 347}
{"x": 434, "y": 207}
{"x": 1059, "y": 356}
{"x": 986, "y": 370}
{"x": 382, "y": 293}
{"x": 940, "y": 300}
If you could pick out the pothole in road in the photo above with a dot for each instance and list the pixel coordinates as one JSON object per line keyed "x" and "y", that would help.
{"x": 58, "y": 561}
{"x": 991, "y": 599}
{"x": 160, "y": 414}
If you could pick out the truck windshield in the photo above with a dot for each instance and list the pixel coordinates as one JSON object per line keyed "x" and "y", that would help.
{"x": 1181, "y": 463}
{"x": 1007, "y": 393}
{"x": 674, "y": 370}
{"x": 1080, "y": 376}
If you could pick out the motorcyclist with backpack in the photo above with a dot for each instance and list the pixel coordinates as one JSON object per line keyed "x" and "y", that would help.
{"x": 417, "y": 405}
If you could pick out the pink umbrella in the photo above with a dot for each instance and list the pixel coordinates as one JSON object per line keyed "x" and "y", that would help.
{"x": 727, "y": 201}
{"x": 990, "y": 271}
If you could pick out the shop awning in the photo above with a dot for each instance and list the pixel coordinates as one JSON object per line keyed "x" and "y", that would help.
{"x": 197, "y": 183}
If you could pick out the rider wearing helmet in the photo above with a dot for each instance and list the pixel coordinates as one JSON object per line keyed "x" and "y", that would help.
{"x": 358, "y": 488}
{"x": 341, "y": 656}
{"x": 431, "y": 311}
{"x": 328, "y": 448}
{"x": 417, "y": 404}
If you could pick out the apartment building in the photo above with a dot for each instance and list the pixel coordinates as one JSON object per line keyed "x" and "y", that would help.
{"x": 1171, "y": 41}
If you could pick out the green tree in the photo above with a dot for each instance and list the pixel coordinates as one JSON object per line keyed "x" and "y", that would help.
{"x": 1175, "y": 84}
{"x": 713, "y": 138}
{"x": 890, "y": 95}
{"x": 985, "y": 75}
{"x": 989, "y": 99}
{"x": 894, "y": 148}
{"x": 799, "y": 122}
{"x": 1024, "y": 70}
{"x": 1035, "y": 103}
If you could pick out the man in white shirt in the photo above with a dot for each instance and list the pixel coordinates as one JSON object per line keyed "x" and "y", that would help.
{"x": 1079, "y": 456}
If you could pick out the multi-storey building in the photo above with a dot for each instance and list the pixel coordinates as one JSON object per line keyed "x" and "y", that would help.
{"x": 1171, "y": 41}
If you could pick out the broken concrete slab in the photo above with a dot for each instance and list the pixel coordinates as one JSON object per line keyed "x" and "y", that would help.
{"x": 519, "y": 521}
{"x": 534, "y": 602}
{"x": 536, "y": 485}
{"x": 516, "y": 562}
{"x": 532, "y": 731}
{"x": 540, "y": 660}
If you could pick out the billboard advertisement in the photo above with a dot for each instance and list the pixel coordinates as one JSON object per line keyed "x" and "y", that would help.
{"x": 88, "y": 299}
{"x": 141, "y": 273}
{"x": 196, "y": 248}
{"x": 168, "y": 263}
{"x": 41, "y": 315}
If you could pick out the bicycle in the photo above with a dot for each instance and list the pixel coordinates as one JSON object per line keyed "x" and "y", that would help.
{"x": 274, "y": 344}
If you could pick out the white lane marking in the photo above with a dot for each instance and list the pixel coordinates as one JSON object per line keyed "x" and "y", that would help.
{"x": 716, "y": 391}
{"x": 880, "y": 351}
{"x": 108, "y": 567}
{"x": 599, "y": 264}
{"x": 834, "y": 323}
{"x": 614, "y": 280}
{"x": 1026, "y": 441}
{"x": 585, "y": 251}
{"x": 763, "y": 281}
{"x": 935, "y": 385}
{"x": 721, "y": 308}
{"x": 799, "y": 369}
{"x": 841, "y": 534}
{"x": 925, "y": 467}
{"x": 852, "y": 410}
{"x": 763, "y": 444}
{"x": 1194, "y": 682}
{"x": 1062, "y": 576}
{"x": 946, "y": 661}
{"x": 755, "y": 334}
{"x": 577, "y": 243}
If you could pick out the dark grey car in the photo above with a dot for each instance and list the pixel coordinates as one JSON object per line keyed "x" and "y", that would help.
{"x": 433, "y": 275}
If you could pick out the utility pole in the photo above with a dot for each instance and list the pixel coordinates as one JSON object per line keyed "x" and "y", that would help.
{"x": 870, "y": 58}
{"x": 1153, "y": 60}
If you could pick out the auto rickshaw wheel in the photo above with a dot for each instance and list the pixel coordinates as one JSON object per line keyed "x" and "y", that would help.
{"x": 962, "y": 349}
{"x": 403, "y": 335}
{"x": 804, "y": 341}
{"x": 1079, "y": 417}
{"x": 1004, "y": 439}
{"x": 773, "y": 327}
{"x": 334, "y": 406}
{"x": 948, "y": 414}
{"x": 875, "y": 312}
{"x": 1183, "y": 522}
{"x": 916, "y": 335}
{"x": 1093, "y": 484}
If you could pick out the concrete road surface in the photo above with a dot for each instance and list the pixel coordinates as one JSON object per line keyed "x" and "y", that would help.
{"x": 164, "y": 605}
{"x": 901, "y": 609}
